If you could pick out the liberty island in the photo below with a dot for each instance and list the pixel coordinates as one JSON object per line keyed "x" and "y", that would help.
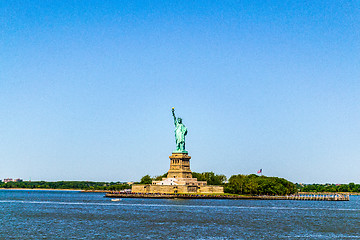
{"x": 180, "y": 183}
{"x": 179, "y": 177}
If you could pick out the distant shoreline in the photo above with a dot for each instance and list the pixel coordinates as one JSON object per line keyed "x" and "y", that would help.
{"x": 42, "y": 189}
{"x": 59, "y": 189}
{"x": 329, "y": 193}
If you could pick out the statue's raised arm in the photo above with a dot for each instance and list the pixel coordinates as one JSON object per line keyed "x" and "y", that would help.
{"x": 173, "y": 113}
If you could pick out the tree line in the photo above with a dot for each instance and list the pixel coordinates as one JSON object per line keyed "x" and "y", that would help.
{"x": 351, "y": 187}
{"x": 236, "y": 184}
{"x": 78, "y": 185}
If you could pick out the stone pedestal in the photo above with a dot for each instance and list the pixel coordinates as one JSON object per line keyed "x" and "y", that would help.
{"x": 179, "y": 166}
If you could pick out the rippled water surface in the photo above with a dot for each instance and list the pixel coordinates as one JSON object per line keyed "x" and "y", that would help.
{"x": 76, "y": 215}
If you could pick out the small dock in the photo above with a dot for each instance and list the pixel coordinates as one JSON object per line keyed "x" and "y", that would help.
{"x": 319, "y": 197}
{"x": 302, "y": 197}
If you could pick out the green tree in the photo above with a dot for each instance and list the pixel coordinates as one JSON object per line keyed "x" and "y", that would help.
{"x": 160, "y": 177}
{"x": 210, "y": 177}
{"x": 198, "y": 176}
{"x": 259, "y": 185}
{"x": 146, "y": 180}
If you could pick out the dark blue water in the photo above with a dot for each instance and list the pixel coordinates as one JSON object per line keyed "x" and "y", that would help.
{"x": 76, "y": 215}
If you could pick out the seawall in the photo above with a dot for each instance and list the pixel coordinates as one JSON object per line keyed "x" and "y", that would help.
{"x": 333, "y": 197}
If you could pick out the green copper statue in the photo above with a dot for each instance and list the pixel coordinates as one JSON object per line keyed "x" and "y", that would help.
{"x": 180, "y": 133}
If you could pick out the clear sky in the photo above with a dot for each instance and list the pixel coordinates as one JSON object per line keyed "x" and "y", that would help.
{"x": 86, "y": 88}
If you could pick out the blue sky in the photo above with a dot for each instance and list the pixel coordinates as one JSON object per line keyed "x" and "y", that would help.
{"x": 86, "y": 88}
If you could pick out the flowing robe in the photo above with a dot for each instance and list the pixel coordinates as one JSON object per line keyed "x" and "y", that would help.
{"x": 180, "y": 132}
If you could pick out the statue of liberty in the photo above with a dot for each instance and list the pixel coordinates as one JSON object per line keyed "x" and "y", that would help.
{"x": 180, "y": 133}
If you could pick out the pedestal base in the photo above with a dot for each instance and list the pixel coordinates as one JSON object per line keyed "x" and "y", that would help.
{"x": 179, "y": 166}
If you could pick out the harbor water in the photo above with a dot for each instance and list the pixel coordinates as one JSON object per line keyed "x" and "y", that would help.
{"x": 36, "y": 214}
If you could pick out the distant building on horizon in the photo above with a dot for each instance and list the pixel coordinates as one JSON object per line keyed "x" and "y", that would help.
{"x": 6, "y": 180}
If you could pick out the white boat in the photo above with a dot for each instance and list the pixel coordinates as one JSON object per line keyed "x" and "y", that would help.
{"x": 116, "y": 200}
